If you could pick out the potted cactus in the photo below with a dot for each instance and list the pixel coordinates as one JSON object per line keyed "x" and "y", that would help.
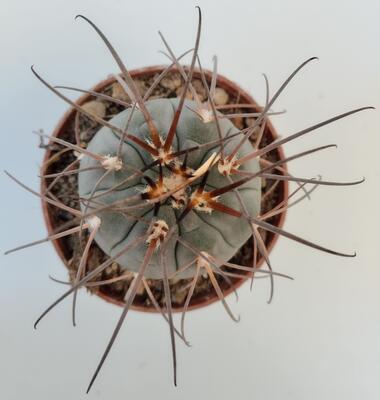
{"x": 115, "y": 292}
{"x": 165, "y": 188}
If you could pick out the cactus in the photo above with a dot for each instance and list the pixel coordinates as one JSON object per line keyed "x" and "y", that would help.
{"x": 171, "y": 188}
{"x": 214, "y": 232}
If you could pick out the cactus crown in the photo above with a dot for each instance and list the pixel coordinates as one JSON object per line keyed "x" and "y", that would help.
{"x": 170, "y": 187}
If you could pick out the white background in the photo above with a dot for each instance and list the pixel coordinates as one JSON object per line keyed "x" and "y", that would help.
{"x": 320, "y": 337}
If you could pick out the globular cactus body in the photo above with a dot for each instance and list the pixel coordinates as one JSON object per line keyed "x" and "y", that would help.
{"x": 212, "y": 231}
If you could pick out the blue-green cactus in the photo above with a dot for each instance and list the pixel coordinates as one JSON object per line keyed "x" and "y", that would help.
{"x": 210, "y": 231}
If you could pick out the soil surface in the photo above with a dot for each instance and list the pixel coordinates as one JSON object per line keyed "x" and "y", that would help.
{"x": 65, "y": 189}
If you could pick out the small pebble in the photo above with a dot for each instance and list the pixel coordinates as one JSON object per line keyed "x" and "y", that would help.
{"x": 119, "y": 93}
{"x": 221, "y": 97}
{"x": 111, "y": 270}
{"x": 142, "y": 88}
{"x": 95, "y": 107}
{"x": 171, "y": 83}
{"x": 179, "y": 296}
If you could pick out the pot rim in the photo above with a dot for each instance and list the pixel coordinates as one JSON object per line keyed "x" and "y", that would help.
{"x": 230, "y": 87}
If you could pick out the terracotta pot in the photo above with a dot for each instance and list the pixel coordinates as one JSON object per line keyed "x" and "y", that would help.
{"x": 234, "y": 91}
